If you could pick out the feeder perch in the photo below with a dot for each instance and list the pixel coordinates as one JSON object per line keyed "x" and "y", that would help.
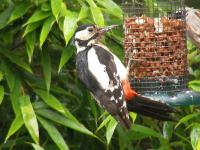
{"x": 155, "y": 45}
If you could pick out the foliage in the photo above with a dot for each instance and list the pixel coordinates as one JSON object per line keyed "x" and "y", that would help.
{"x": 43, "y": 103}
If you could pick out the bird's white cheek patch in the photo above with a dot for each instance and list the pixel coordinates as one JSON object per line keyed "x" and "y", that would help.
{"x": 98, "y": 69}
{"x": 83, "y": 35}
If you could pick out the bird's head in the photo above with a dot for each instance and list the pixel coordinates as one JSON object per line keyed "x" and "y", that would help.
{"x": 89, "y": 34}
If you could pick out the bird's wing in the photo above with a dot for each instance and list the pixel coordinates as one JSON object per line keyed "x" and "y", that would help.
{"x": 109, "y": 93}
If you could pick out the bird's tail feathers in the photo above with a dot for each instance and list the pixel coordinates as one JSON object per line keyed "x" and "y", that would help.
{"x": 151, "y": 108}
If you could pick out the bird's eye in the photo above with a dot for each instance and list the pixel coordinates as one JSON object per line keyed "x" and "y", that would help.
{"x": 90, "y": 29}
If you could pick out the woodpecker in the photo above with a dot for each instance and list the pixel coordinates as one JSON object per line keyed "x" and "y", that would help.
{"x": 107, "y": 78}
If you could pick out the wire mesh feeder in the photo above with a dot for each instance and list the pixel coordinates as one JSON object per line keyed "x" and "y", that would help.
{"x": 155, "y": 44}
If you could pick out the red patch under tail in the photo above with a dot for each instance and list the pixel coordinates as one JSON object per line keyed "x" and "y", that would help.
{"x": 129, "y": 93}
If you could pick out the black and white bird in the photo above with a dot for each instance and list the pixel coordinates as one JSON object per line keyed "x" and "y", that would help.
{"x": 107, "y": 78}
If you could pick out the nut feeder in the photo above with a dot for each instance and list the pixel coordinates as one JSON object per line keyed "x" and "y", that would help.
{"x": 155, "y": 45}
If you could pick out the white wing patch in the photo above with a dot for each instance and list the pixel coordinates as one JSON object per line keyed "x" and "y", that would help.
{"x": 98, "y": 69}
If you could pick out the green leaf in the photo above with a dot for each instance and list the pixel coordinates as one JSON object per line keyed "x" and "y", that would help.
{"x": 9, "y": 75}
{"x": 19, "y": 10}
{"x": 96, "y": 13}
{"x": 46, "y": 66}
{"x": 37, "y": 147}
{"x": 56, "y": 7}
{"x": 195, "y": 137}
{"x": 168, "y": 130}
{"x": 17, "y": 123}
{"x": 66, "y": 55}
{"x": 1, "y": 76}
{"x": 1, "y": 93}
{"x": 110, "y": 130}
{"x": 105, "y": 121}
{"x": 133, "y": 116}
{"x": 111, "y": 7}
{"x": 198, "y": 144}
{"x": 4, "y": 16}
{"x": 54, "y": 103}
{"x": 16, "y": 59}
{"x": 195, "y": 85}
{"x": 37, "y": 16}
{"x": 97, "y": 16}
{"x": 125, "y": 142}
{"x": 187, "y": 118}
{"x": 93, "y": 106}
{"x": 63, "y": 10}
{"x": 30, "y": 42}
{"x": 30, "y": 27}
{"x": 64, "y": 121}
{"x": 54, "y": 134}
{"x": 15, "y": 95}
{"x": 146, "y": 131}
{"x": 50, "y": 100}
{"x": 29, "y": 118}
{"x": 69, "y": 25}
{"x": 48, "y": 23}
{"x": 83, "y": 12}
{"x": 46, "y": 7}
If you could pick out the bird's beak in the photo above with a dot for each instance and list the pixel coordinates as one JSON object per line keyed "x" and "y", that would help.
{"x": 107, "y": 29}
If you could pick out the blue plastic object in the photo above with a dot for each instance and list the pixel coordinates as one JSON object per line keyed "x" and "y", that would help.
{"x": 183, "y": 98}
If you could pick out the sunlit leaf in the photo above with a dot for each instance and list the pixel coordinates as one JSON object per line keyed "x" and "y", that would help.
{"x": 133, "y": 116}
{"x": 4, "y": 16}
{"x": 48, "y": 23}
{"x": 56, "y": 7}
{"x": 54, "y": 134}
{"x": 64, "y": 121}
{"x": 195, "y": 85}
{"x": 63, "y": 10}
{"x": 198, "y": 144}
{"x": 37, "y": 147}
{"x": 1, "y": 93}
{"x": 37, "y": 16}
{"x": 111, "y": 7}
{"x": 66, "y": 55}
{"x": 69, "y": 25}
{"x": 195, "y": 137}
{"x": 30, "y": 42}
{"x": 19, "y": 10}
{"x": 17, "y": 123}
{"x": 46, "y": 66}
{"x": 104, "y": 123}
{"x": 83, "y": 12}
{"x": 110, "y": 129}
{"x": 96, "y": 13}
{"x": 29, "y": 118}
